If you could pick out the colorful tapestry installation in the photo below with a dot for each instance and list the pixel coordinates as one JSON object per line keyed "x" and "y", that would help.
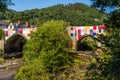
{"x": 77, "y": 32}
{"x": 12, "y": 30}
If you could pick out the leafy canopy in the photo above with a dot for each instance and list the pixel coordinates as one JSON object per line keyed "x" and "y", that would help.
{"x": 46, "y": 52}
{"x": 1, "y": 34}
{"x": 104, "y": 4}
{"x": 4, "y": 4}
{"x": 107, "y": 65}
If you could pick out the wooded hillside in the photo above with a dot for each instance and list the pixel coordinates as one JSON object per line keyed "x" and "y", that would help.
{"x": 77, "y": 14}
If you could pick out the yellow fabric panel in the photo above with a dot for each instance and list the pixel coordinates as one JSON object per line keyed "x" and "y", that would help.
{"x": 87, "y": 27}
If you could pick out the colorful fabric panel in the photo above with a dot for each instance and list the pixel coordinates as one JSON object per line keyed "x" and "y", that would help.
{"x": 94, "y": 34}
{"x": 87, "y": 27}
{"x": 79, "y": 37}
{"x": 91, "y": 31}
{"x": 79, "y": 32}
{"x": 94, "y": 27}
{"x": 71, "y": 34}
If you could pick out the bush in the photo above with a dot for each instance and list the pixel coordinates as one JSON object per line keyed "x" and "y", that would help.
{"x": 1, "y": 34}
{"x": 88, "y": 43}
{"x": 107, "y": 66}
{"x": 47, "y": 51}
{"x": 1, "y": 60}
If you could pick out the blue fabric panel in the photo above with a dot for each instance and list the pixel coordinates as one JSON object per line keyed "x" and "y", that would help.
{"x": 94, "y": 34}
{"x": 71, "y": 34}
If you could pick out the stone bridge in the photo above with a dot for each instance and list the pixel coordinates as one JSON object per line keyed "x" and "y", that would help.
{"x": 16, "y": 37}
{"x": 77, "y": 33}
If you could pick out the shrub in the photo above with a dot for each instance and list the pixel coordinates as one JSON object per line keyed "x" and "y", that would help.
{"x": 1, "y": 60}
{"x": 47, "y": 51}
{"x": 107, "y": 65}
{"x": 88, "y": 43}
{"x": 1, "y": 34}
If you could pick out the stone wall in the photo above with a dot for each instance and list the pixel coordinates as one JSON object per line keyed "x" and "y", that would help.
{"x": 1, "y": 48}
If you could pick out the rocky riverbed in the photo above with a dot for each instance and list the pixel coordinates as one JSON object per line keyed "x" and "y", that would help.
{"x": 9, "y": 68}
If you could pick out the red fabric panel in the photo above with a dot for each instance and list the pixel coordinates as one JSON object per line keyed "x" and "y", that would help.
{"x": 79, "y": 30}
{"x": 20, "y": 30}
{"x": 79, "y": 37}
{"x": 101, "y": 27}
{"x": 94, "y": 27}
{"x": 71, "y": 28}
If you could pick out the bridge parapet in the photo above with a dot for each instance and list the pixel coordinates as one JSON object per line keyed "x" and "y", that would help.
{"x": 12, "y": 30}
{"x": 77, "y": 32}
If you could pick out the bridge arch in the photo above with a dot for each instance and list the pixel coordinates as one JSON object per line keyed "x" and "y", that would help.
{"x": 83, "y": 43}
{"x": 15, "y": 43}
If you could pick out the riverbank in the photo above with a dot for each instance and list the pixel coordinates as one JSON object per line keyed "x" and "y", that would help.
{"x": 9, "y": 68}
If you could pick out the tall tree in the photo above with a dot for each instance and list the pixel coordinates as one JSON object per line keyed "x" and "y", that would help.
{"x": 49, "y": 52}
{"x": 113, "y": 19}
{"x": 104, "y": 4}
{"x": 108, "y": 65}
{"x": 4, "y": 4}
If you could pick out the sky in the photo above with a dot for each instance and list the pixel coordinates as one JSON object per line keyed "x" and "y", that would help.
{"x": 22, "y": 5}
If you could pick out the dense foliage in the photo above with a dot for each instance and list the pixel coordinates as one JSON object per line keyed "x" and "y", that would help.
{"x": 106, "y": 66}
{"x": 3, "y": 6}
{"x": 1, "y": 34}
{"x": 46, "y": 52}
{"x": 77, "y": 14}
{"x": 7, "y": 14}
{"x": 114, "y": 19}
{"x": 105, "y": 4}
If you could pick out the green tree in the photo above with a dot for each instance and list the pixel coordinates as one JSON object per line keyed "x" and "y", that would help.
{"x": 107, "y": 65}
{"x": 46, "y": 52}
{"x": 1, "y": 34}
{"x": 113, "y": 19}
{"x": 105, "y": 4}
{"x": 4, "y": 4}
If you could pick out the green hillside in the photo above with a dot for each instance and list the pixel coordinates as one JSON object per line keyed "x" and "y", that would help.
{"x": 77, "y": 14}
